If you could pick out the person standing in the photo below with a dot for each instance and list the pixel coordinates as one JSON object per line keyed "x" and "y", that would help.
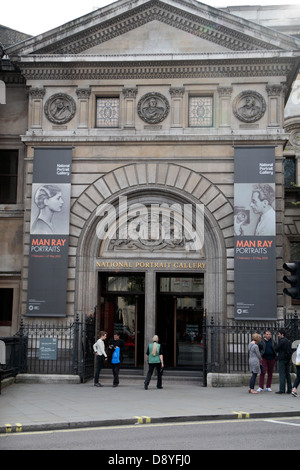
{"x": 99, "y": 349}
{"x": 254, "y": 360}
{"x": 117, "y": 348}
{"x": 297, "y": 379}
{"x": 154, "y": 357}
{"x": 268, "y": 354}
{"x": 283, "y": 349}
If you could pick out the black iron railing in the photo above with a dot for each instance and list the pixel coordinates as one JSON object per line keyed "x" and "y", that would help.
{"x": 226, "y": 345}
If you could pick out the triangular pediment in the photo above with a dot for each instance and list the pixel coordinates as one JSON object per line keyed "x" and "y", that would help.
{"x": 155, "y": 38}
{"x": 156, "y": 26}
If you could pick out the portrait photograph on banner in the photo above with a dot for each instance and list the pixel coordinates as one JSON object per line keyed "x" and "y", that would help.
{"x": 255, "y": 233}
{"x": 49, "y": 232}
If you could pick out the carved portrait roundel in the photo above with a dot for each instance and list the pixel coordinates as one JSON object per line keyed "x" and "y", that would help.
{"x": 153, "y": 108}
{"x": 60, "y": 108}
{"x": 249, "y": 106}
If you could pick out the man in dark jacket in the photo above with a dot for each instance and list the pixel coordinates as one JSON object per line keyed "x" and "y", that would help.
{"x": 117, "y": 348}
{"x": 268, "y": 354}
{"x": 283, "y": 349}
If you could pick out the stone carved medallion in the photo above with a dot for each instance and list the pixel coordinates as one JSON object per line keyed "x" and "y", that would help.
{"x": 295, "y": 138}
{"x": 249, "y": 106}
{"x": 153, "y": 108}
{"x": 60, "y": 108}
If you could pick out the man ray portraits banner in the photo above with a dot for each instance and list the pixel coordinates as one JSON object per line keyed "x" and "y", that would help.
{"x": 255, "y": 233}
{"x": 49, "y": 232}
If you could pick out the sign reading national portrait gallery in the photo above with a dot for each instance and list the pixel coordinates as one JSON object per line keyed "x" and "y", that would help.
{"x": 49, "y": 232}
{"x": 255, "y": 233}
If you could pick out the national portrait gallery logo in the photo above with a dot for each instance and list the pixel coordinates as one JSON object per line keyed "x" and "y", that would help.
{"x": 152, "y": 227}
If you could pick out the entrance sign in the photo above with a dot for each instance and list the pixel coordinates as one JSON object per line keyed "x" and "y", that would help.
{"x": 49, "y": 232}
{"x": 48, "y": 349}
{"x": 254, "y": 233}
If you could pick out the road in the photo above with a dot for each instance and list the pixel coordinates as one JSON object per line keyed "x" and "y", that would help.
{"x": 176, "y": 438}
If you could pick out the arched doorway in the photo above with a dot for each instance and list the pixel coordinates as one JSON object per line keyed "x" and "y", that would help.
{"x": 101, "y": 259}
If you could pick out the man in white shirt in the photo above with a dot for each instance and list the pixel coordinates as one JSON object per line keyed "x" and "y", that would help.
{"x": 99, "y": 349}
{"x": 263, "y": 196}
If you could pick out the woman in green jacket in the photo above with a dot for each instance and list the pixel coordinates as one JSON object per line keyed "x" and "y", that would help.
{"x": 154, "y": 357}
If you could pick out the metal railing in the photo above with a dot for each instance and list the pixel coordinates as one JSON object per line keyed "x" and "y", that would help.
{"x": 226, "y": 345}
{"x": 57, "y": 347}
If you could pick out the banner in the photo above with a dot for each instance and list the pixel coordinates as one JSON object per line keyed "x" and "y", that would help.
{"x": 255, "y": 233}
{"x": 49, "y": 232}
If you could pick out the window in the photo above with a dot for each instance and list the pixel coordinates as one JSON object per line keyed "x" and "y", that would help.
{"x": 295, "y": 251}
{"x": 107, "y": 112}
{"x": 6, "y": 304}
{"x": 8, "y": 176}
{"x": 289, "y": 172}
{"x": 200, "y": 111}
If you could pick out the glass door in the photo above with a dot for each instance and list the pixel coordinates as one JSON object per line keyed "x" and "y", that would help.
{"x": 179, "y": 320}
{"x": 122, "y": 310}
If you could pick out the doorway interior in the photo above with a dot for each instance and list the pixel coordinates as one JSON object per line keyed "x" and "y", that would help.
{"x": 122, "y": 307}
{"x": 179, "y": 320}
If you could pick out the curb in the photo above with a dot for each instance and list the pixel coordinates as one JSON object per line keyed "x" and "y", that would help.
{"x": 141, "y": 421}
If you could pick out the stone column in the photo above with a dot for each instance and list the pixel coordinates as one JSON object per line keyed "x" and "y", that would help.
{"x": 176, "y": 106}
{"x": 129, "y": 95}
{"x": 274, "y": 105}
{"x": 36, "y": 96}
{"x": 83, "y": 111}
{"x": 225, "y": 106}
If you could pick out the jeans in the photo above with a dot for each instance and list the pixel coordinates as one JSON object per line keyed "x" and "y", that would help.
{"x": 268, "y": 366}
{"x": 297, "y": 379}
{"x": 115, "y": 371}
{"x": 150, "y": 372}
{"x": 284, "y": 376}
{"x": 252, "y": 380}
{"x": 100, "y": 361}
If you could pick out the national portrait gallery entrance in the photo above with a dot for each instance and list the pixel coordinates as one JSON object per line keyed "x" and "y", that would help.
{"x": 124, "y": 305}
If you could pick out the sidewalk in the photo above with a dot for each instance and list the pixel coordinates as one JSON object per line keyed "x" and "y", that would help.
{"x": 34, "y": 407}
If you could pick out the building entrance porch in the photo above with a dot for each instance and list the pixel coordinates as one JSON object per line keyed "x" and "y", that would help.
{"x": 171, "y": 307}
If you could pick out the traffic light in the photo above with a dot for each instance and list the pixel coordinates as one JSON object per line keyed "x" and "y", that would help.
{"x": 293, "y": 279}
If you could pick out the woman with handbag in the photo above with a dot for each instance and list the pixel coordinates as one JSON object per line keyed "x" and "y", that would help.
{"x": 254, "y": 361}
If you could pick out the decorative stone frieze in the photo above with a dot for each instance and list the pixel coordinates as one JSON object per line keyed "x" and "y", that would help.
{"x": 249, "y": 106}
{"x": 153, "y": 108}
{"x": 60, "y": 108}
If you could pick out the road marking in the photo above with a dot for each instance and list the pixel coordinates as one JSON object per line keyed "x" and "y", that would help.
{"x": 140, "y": 419}
{"x": 242, "y": 414}
{"x": 280, "y": 422}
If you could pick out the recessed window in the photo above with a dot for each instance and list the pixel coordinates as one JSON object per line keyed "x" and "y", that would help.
{"x": 200, "y": 111}
{"x": 8, "y": 176}
{"x": 6, "y": 305}
{"x": 107, "y": 112}
{"x": 289, "y": 172}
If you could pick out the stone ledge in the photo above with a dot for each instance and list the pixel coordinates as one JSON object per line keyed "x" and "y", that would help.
{"x": 237, "y": 380}
{"x": 47, "y": 379}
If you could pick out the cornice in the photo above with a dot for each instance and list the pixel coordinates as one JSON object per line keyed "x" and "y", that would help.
{"x": 207, "y": 23}
{"x": 175, "y": 68}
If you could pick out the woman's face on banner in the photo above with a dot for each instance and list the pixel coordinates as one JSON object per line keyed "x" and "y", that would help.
{"x": 55, "y": 203}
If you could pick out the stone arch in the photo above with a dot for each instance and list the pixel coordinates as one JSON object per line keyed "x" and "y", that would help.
{"x": 169, "y": 179}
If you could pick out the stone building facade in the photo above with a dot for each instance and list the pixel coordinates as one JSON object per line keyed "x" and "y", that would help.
{"x": 148, "y": 94}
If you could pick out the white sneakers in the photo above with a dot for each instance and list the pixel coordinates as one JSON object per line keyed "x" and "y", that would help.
{"x": 262, "y": 390}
